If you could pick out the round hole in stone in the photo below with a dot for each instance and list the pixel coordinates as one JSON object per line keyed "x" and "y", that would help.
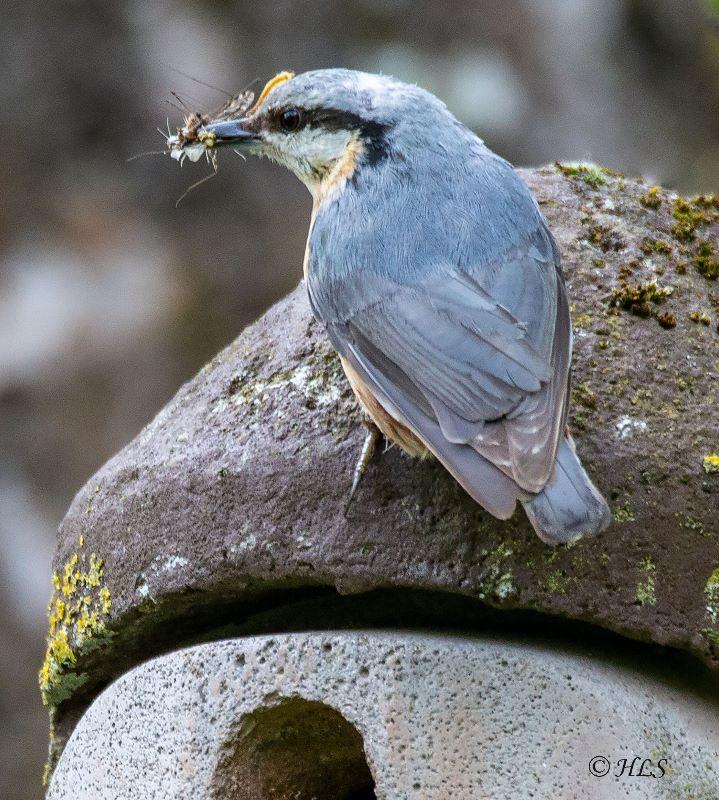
{"x": 294, "y": 750}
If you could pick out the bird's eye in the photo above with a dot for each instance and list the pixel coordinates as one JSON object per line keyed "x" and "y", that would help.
{"x": 290, "y": 120}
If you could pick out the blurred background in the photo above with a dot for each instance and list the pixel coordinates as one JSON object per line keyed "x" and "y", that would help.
{"x": 110, "y": 296}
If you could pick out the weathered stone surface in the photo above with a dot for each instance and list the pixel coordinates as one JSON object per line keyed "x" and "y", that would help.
{"x": 289, "y": 716}
{"x": 235, "y": 492}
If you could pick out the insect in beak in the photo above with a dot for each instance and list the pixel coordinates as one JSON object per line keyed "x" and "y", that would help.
{"x": 234, "y": 132}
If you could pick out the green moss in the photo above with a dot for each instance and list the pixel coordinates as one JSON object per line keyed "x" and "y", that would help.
{"x": 648, "y": 246}
{"x": 690, "y": 214}
{"x": 646, "y": 595}
{"x": 706, "y": 260}
{"x": 579, "y": 422}
{"x": 695, "y": 316}
{"x": 583, "y": 394}
{"x": 637, "y": 297}
{"x": 54, "y": 749}
{"x": 711, "y": 599}
{"x": 76, "y": 615}
{"x": 708, "y": 201}
{"x": 651, "y": 198}
{"x": 643, "y": 398}
{"x": 589, "y": 173}
{"x": 711, "y": 636}
{"x": 667, "y": 320}
{"x": 605, "y": 237}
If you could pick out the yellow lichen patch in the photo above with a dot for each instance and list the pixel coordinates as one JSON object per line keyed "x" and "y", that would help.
{"x": 646, "y": 596}
{"x": 105, "y": 600}
{"x": 711, "y": 592}
{"x": 76, "y": 615}
{"x": 273, "y": 83}
{"x": 711, "y": 463}
{"x": 581, "y": 320}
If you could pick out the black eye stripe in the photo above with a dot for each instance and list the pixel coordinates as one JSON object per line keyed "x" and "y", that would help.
{"x": 333, "y": 119}
{"x": 372, "y": 132}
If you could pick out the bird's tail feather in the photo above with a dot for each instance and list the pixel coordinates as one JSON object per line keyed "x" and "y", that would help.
{"x": 570, "y": 506}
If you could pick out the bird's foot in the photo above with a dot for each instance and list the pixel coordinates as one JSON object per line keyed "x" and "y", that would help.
{"x": 368, "y": 450}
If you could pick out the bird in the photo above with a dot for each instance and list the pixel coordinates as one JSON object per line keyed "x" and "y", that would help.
{"x": 439, "y": 284}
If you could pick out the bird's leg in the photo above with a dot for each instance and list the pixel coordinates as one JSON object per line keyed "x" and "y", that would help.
{"x": 368, "y": 449}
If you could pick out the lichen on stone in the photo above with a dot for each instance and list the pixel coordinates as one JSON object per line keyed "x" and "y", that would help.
{"x": 77, "y": 613}
{"x": 497, "y": 581}
{"x": 623, "y": 513}
{"x": 557, "y": 582}
{"x": 648, "y": 246}
{"x": 691, "y": 523}
{"x": 581, "y": 320}
{"x": 646, "y": 594}
{"x": 711, "y": 592}
{"x": 317, "y": 380}
{"x": 711, "y": 463}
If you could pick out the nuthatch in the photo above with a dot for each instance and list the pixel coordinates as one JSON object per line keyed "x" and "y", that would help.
{"x": 439, "y": 284}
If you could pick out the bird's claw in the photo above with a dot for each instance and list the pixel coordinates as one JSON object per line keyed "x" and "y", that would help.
{"x": 368, "y": 450}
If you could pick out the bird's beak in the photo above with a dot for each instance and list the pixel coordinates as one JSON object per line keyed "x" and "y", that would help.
{"x": 232, "y": 132}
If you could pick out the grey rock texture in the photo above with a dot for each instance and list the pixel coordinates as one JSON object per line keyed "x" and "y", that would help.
{"x": 232, "y": 499}
{"x": 290, "y": 716}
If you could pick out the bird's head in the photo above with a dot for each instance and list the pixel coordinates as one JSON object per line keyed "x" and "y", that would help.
{"x": 327, "y": 124}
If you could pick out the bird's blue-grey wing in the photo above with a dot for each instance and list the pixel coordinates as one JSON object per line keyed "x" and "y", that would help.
{"x": 473, "y": 358}
{"x": 483, "y": 481}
